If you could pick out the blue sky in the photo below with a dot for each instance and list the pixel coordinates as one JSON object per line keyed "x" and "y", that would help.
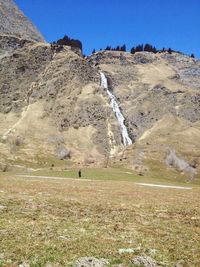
{"x": 98, "y": 23}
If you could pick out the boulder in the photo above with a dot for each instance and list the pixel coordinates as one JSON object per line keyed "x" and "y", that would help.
{"x": 144, "y": 261}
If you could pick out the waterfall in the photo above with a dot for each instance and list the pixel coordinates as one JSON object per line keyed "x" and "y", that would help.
{"x": 115, "y": 107}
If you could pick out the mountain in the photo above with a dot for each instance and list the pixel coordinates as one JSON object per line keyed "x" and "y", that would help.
{"x": 13, "y": 22}
{"x": 159, "y": 97}
{"x": 53, "y": 104}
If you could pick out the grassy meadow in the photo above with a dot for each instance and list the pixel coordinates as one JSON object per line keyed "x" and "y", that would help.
{"x": 53, "y": 222}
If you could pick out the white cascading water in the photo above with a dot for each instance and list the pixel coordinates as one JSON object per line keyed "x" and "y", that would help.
{"x": 114, "y": 105}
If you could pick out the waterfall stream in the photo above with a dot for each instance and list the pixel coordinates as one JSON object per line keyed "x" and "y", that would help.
{"x": 115, "y": 107}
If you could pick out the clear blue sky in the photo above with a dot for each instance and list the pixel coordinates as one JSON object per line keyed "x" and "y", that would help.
{"x": 98, "y": 23}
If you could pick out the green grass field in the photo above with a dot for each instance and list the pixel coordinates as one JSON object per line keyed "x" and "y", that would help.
{"x": 118, "y": 174}
{"x": 56, "y": 221}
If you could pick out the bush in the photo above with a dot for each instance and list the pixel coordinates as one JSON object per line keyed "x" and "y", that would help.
{"x": 18, "y": 141}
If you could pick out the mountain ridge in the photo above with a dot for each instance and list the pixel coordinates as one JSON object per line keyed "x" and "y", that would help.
{"x": 13, "y": 22}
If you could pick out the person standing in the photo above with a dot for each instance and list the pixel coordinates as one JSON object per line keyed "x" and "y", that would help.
{"x": 79, "y": 173}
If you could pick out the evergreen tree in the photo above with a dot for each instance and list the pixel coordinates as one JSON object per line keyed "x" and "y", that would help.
{"x": 118, "y": 48}
{"x": 139, "y": 48}
{"x": 70, "y": 42}
{"x": 108, "y": 48}
{"x": 169, "y": 50}
{"x": 154, "y": 50}
{"x": 147, "y": 48}
{"x": 133, "y": 50}
{"x": 123, "y": 48}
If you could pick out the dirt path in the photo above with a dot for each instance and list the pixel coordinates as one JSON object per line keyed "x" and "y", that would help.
{"x": 54, "y": 178}
{"x": 164, "y": 186}
{"x": 90, "y": 180}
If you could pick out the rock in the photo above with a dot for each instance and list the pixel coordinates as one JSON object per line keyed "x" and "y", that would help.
{"x": 17, "y": 140}
{"x": 179, "y": 264}
{"x": 144, "y": 58}
{"x": 56, "y": 139}
{"x": 15, "y": 91}
{"x": 174, "y": 161}
{"x": 144, "y": 261}
{"x": 4, "y": 167}
{"x": 140, "y": 168}
{"x": 62, "y": 153}
{"x": 91, "y": 262}
{"x": 2, "y": 256}
{"x": 125, "y": 250}
{"x": 13, "y": 22}
{"x": 24, "y": 264}
{"x": 52, "y": 264}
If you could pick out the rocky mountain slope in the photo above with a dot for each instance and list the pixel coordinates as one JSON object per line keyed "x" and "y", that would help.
{"x": 53, "y": 100}
{"x": 159, "y": 97}
{"x": 13, "y": 22}
{"x": 52, "y": 105}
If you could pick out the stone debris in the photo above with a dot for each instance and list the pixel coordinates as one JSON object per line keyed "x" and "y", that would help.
{"x": 179, "y": 264}
{"x": 91, "y": 262}
{"x": 144, "y": 261}
{"x": 126, "y": 250}
{"x": 178, "y": 163}
{"x": 62, "y": 153}
{"x": 52, "y": 264}
{"x": 24, "y": 264}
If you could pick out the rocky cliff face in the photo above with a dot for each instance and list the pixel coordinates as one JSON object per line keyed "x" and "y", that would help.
{"x": 51, "y": 102}
{"x": 159, "y": 97}
{"x": 151, "y": 85}
{"x": 13, "y": 22}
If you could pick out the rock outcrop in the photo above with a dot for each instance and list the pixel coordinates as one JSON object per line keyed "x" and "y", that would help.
{"x": 91, "y": 262}
{"x": 144, "y": 261}
{"x": 13, "y": 22}
{"x": 159, "y": 97}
